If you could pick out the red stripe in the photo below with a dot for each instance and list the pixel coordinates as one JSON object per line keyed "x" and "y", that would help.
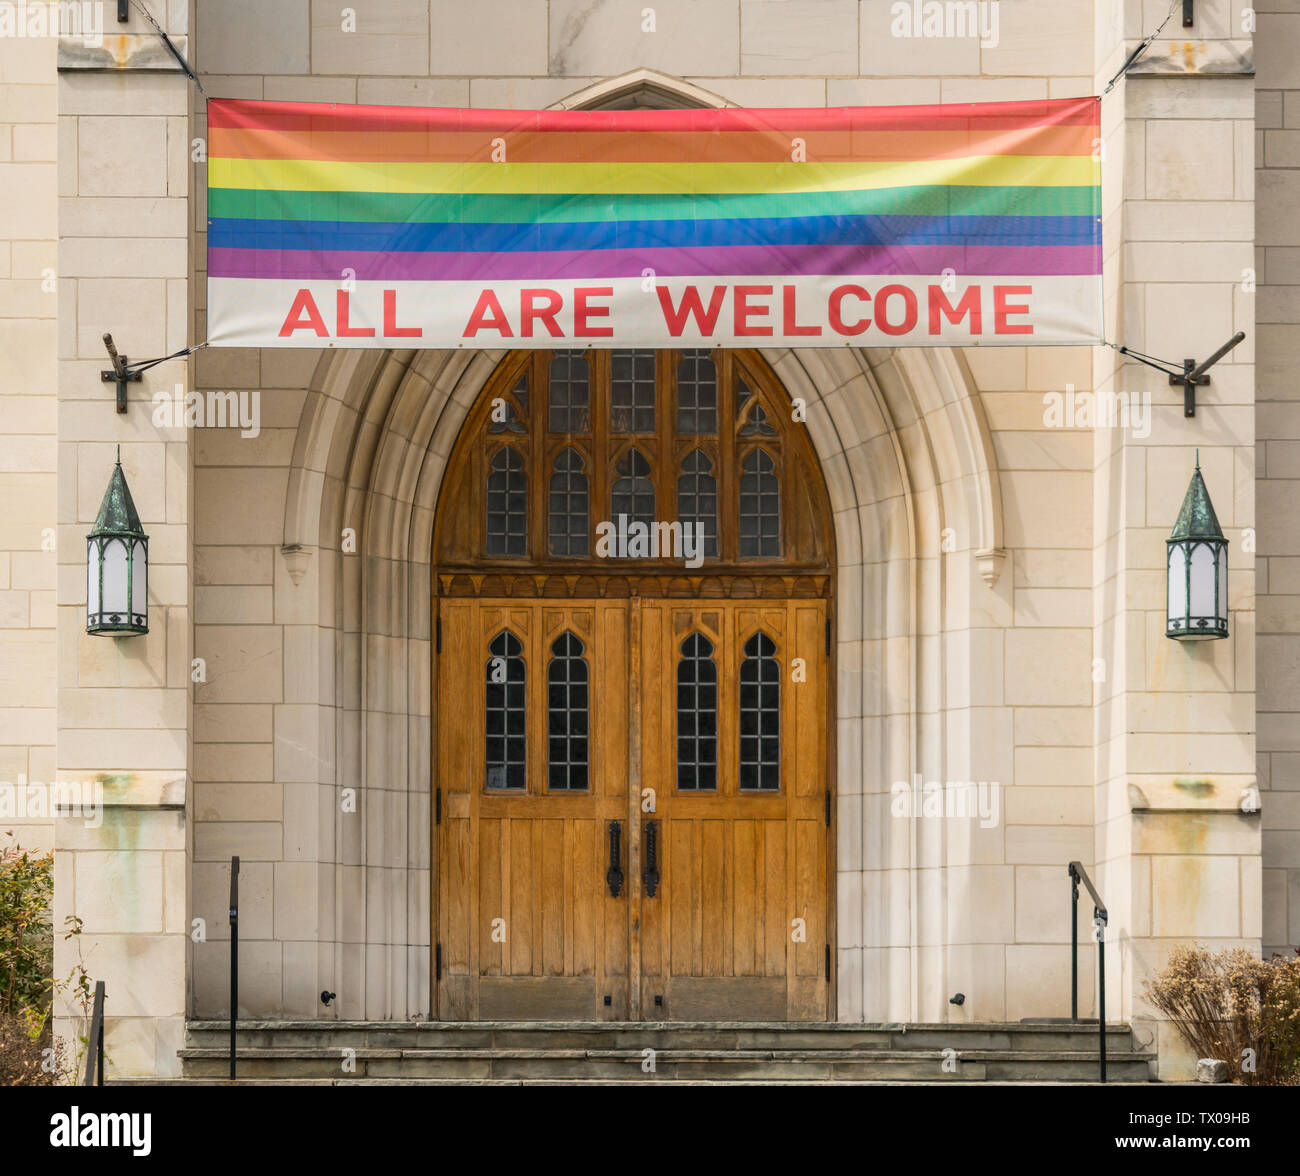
{"x": 303, "y": 117}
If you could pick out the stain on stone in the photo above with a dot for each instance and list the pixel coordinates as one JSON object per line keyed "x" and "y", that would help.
{"x": 1197, "y": 788}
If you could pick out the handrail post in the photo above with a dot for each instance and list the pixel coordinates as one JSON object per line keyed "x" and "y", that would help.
{"x": 1100, "y": 921}
{"x": 1074, "y": 944}
{"x": 94, "y": 1075}
{"x": 234, "y": 957}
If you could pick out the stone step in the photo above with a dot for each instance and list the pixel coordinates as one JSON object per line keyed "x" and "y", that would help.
{"x": 325, "y": 1062}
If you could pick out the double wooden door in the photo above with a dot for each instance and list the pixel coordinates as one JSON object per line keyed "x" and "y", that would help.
{"x": 632, "y": 810}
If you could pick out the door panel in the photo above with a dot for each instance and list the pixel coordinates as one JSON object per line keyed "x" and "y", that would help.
{"x": 738, "y": 927}
{"x": 528, "y": 928}
{"x": 735, "y": 925}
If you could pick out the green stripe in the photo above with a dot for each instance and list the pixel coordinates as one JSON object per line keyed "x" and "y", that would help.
{"x": 401, "y": 208}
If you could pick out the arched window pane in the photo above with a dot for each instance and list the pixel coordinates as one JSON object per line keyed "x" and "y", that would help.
{"x": 633, "y": 493}
{"x": 507, "y": 505}
{"x": 567, "y": 703}
{"x": 569, "y": 525}
{"x": 506, "y": 726}
{"x": 697, "y": 393}
{"x": 570, "y": 395}
{"x": 632, "y": 392}
{"x": 697, "y": 716}
{"x": 760, "y": 716}
{"x": 697, "y": 499}
{"x": 760, "y": 506}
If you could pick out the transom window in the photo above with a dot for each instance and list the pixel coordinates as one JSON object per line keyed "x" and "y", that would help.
{"x": 693, "y": 438}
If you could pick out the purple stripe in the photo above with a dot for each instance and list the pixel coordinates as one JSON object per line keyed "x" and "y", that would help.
{"x": 722, "y": 261}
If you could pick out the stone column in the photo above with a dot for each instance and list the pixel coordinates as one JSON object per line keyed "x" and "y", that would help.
{"x": 124, "y": 703}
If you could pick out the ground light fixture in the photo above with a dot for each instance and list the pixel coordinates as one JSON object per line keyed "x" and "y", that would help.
{"x": 1197, "y": 562}
{"x": 117, "y": 564}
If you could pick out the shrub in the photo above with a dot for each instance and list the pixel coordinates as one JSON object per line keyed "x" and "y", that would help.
{"x": 1237, "y": 1008}
{"x": 26, "y": 931}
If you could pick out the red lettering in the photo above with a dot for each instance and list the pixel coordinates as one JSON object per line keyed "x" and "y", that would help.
{"x": 391, "y": 329}
{"x": 488, "y": 315}
{"x": 341, "y": 319}
{"x": 582, "y": 311}
{"x": 744, "y": 312}
{"x": 883, "y": 296}
{"x": 529, "y": 310}
{"x": 675, "y": 317}
{"x": 969, "y": 304}
{"x": 789, "y": 326}
{"x": 1001, "y": 309}
{"x": 838, "y": 325}
{"x": 304, "y": 304}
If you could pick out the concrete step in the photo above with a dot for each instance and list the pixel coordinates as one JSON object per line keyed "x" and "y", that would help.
{"x": 326, "y": 1062}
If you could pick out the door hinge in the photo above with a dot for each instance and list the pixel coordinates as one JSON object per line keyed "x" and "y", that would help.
{"x": 828, "y": 636}
{"x": 437, "y": 640}
{"x": 437, "y": 806}
{"x": 828, "y": 808}
{"x": 437, "y": 961}
{"x": 828, "y": 961}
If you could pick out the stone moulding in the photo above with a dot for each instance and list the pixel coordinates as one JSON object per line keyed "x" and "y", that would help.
{"x": 129, "y": 51}
{"x": 129, "y": 790}
{"x": 1201, "y": 58}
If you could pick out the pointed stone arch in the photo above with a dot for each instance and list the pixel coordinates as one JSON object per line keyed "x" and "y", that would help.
{"x": 906, "y": 453}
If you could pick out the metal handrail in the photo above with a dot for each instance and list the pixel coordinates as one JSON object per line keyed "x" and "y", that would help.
{"x": 1100, "y": 920}
{"x": 234, "y": 957}
{"x": 95, "y": 1041}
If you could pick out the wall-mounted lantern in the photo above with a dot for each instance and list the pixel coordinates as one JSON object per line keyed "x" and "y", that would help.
{"x": 1197, "y": 555}
{"x": 117, "y": 564}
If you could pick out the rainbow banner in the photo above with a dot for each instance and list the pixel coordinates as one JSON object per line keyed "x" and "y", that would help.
{"x": 388, "y": 226}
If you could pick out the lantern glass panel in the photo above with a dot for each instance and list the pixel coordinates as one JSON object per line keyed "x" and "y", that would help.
{"x": 92, "y": 578}
{"x": 1177, "y": 582}
{"x": 1223, "y": 584}
{"x": 115, "y": 577}
{"x": 139, "y": 578}
{"x": 1204, "y": 580}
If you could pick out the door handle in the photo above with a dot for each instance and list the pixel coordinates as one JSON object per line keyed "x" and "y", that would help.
{"x": 614, "y": 875}
{"x": 650, "y": 875}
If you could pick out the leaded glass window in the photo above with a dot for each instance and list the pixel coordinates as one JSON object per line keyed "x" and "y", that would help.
{"x": 697, "y": 393}
{"x": 567, "y": 712}
{"x": 632, "y": 392}
{"x": 633, "y": 492}
{"x": 507, "y": 505}
{"x": 506, "y": 725}
{"x": 760, "y": 716}
{"x": 760, "y": 506}
{"x": 568, "y": 506}
{"x": 697, "y": 499}
{"x": 570, "y": 393}
{"x": 697, "y": 716}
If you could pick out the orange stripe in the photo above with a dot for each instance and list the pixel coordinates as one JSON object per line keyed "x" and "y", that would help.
{"x": 645, "y": 146}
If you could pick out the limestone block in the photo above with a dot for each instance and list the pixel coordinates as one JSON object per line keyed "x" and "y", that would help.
{"x": 385, "y": 37}
{"x": 243, "y": 663}
{"x": 1195, "y": 895}
{"x": 799, "y": 36}
{"x": 250, "y": 37}
{"x": 498, "y": 38}
{"x": 688, "y": 39}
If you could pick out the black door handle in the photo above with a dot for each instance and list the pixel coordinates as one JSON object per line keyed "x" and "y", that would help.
{"x": 614, "y": 875}
{"x": 650, "y": 875}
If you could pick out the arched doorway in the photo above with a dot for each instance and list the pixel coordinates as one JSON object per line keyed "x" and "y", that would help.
{"x": 633, "y": 563}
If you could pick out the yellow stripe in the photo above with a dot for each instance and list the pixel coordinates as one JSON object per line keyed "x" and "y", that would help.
{"x": 296, "y": 175}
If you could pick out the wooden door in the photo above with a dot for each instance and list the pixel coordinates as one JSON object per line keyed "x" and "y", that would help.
{"x": 532, "y": 771}
{"x": 733, "y": 729}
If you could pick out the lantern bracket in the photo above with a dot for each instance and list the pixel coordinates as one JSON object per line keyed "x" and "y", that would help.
{"x": 1193, "y": 374}
{"x": 1189, "y": 7}
{"x": 120, "y": 373}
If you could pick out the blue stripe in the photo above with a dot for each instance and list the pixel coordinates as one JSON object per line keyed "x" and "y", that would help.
{"x": 423, "y": 237}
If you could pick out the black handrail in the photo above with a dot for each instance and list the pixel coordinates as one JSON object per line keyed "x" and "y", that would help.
{"x": 234, "y": 956}
{"x": 1100, "y": 919}
{"x": 95, "y": 1041}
